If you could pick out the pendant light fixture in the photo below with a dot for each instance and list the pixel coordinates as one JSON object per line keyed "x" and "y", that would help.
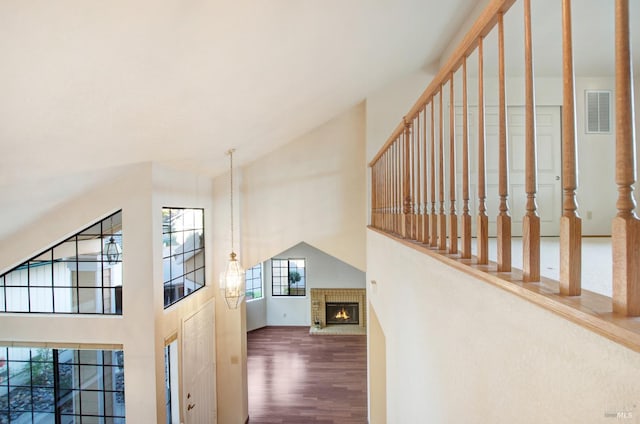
{"x": 232, "y": 282}
{"x": 112, "y": 250}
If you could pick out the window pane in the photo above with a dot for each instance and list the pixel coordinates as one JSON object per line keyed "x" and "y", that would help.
{"x": 90, "y": 300}
{"x": 40, "y": 299}
{"x": 17, "y": 278}
{"x": 199, "y": 277}
{"x": 166, "y": 268}
{"x": 64, "y": 300}
{"x": 62, "y": 275}
{"x": 43, "y": 400}
{"x": 90, "y": 377}
{"x": 17, "y": 299}
{"x": 20, "y": 399}
{"x": 89, "y": 357}
{"x": 40, "y": 274}
{"x": 68, "y": 375}
{"x": 65, "y": 251}
{"x": 92, "y": 232}
{"x": 177, "y": 220}
{"x": 68, "y": 403}
{"x": 198, "y": 218}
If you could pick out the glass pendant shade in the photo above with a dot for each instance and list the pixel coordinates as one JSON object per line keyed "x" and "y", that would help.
{"x": 232, "y": 283}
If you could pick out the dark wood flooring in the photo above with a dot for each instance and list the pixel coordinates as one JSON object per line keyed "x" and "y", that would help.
{"x": 295, "y": 378}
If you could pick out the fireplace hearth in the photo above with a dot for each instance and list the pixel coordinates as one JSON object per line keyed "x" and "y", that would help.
{"x": 342, "y": 313}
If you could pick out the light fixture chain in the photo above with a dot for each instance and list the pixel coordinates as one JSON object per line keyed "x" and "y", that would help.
{"x": 231, "y": 191}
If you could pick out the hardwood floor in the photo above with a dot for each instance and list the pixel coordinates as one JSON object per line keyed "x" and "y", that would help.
{"x": 295, "y": 378}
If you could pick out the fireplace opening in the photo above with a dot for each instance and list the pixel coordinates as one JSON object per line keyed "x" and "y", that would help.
{"x": 342, "y": 313}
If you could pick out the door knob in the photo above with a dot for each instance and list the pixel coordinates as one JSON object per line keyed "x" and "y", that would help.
{"x": 557, "y": 178}
{"x": 191, "y": 406}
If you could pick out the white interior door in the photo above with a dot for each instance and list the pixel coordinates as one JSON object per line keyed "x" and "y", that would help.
{"x": 549, "y": 193}
{"x": 199, "y": 367}
{"x": 549, "y": 145}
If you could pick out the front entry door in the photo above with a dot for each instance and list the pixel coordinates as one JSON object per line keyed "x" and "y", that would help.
{"x": 199, "y": 367}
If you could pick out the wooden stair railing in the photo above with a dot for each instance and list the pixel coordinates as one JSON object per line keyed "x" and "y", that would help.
{"x": 409, "y": 174}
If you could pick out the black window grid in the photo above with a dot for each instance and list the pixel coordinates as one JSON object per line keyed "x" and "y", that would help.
{"x": 23, "y": 395}
{"x": 192, "y": 253}
{"x": 253, "y": 280}
{"x": 280, "y": 282}
{"x": 102, "y": 230}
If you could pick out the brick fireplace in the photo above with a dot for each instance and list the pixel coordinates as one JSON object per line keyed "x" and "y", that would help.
{"x": 321, "y": 297}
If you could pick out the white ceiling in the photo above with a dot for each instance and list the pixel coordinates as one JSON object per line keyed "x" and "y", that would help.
{"x": 94, "y": 84}
{"x": 86, "y": 85}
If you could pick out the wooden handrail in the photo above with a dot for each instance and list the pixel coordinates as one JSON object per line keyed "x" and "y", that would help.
{"x": 483, "y": 25}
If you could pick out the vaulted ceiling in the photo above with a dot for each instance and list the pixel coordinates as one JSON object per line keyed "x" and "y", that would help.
{"x": 86, "y": 86}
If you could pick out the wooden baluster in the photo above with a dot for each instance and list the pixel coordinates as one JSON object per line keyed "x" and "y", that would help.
{"x": 412, "y": 182}
{"x": 388, "y": 188}
{"x": 434, "y": 217}
{"x": 466, "y": 217}
{"x": 570, "y": 222}
{"x": 625, "y": 232}
{"x": 442, "y": 245}
{"x": 374, "y": 193}
{"x": 453, "y": 217}
{"x": 380, "y": 197}
{"x": 406, "y": 182}
{"x": 399, "y": 186}
{"x": 383, "y": 189}
{"x": 503, "y": 223}
{"x": 418, "y": 176}
{"x": 531, "y": 221}
{"x": 425, "y": 200}
{"x": 483, "y": 220}
{"x": 392, "y": 189}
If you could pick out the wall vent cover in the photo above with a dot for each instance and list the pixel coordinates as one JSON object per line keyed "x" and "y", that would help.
{"x": 598, "y": 111}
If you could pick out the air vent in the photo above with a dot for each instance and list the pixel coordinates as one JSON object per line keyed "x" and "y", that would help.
{"x": 598, "y": 112}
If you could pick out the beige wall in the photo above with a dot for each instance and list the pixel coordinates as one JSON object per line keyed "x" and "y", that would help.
{"x": 310, "y": 190}
{"x": 460, "y": 350}
{"x": 376, "y": 368}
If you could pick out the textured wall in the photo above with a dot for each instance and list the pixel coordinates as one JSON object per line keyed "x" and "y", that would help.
{"x": 461, "y": 350}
